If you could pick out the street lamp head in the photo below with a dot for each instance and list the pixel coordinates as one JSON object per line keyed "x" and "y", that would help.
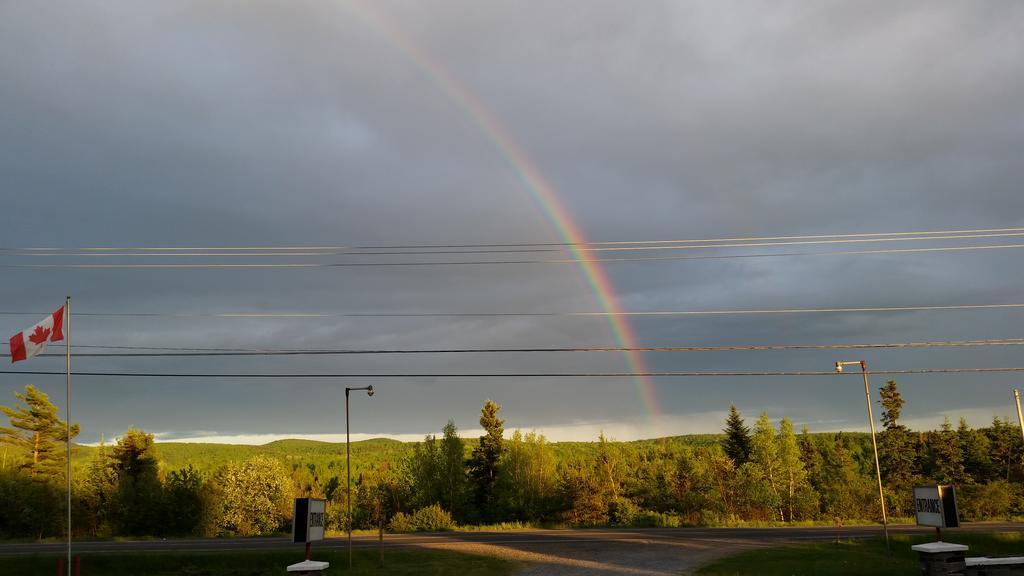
{"x": 839, "y": 367}
{"x": 369, "y": 390}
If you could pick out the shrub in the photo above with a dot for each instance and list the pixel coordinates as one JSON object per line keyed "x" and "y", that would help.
{"x": 622, "y": 512}
{"x": 653, "y": 519}
{"x": 400, "y": 523}
{"x": 432, "y": 519}
{"x": 987, "y": 501}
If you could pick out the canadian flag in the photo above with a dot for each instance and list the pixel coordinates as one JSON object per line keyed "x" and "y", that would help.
{"x": 27, "y": 344}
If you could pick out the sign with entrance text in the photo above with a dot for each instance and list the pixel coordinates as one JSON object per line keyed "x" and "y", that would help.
{"x": 936, "y": 506}
{"x": 308, "y": 523}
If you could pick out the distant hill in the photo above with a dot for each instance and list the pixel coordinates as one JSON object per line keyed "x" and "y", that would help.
{"x": 330, "y": 456}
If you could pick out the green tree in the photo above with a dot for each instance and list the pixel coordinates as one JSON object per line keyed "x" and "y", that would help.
{"x": 799, "y": 498}
{"x": 719, "y": 482}
{"x": 526, "y": 476}
{"x": 29, "y": 509}
{"x": 256, "y": 496}
{"x": 845, "y": 492}
{"x": 139, "y": 500}
{"x": 37, "y": 432}
{"x": 974, "y": 446}
{"x": 581, "y": 491}
{"x": 766, "y": 465}
{"x": 898, "y": 451}
{"x": 1004, "y": 442}
{"x": 185, "y": 502}
{"x": 483, "y": 463}
{"x": 424, "y": 468}
{"x": 100, "y": 492}
{"x": 949, "y": 460}
{"x": 452, "y": 469}
{"x": 737, "y": 437}
{"x": 651, "y": 476}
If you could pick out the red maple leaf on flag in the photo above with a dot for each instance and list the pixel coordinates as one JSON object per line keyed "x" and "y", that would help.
{"x": 40, "y": 335}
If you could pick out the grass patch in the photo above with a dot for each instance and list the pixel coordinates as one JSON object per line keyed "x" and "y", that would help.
{"x": 396, "y": 562}
{"x": 857, "y": 557}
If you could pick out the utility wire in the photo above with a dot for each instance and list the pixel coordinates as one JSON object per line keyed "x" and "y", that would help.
{"x": 196, "y": 352}
{"x": 513, "y": 245}
{"x": 226, "y": 252}
{"x": 511, "y": 374}
{"x": 765, "y": 311}
{"x": 498, "y": 262}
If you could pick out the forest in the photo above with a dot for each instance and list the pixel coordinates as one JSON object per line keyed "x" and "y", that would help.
{"x": 758, "y": 474}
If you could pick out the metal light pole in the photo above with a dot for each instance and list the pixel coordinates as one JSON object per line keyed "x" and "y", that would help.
{"x": 348, "y": 463}
{"x": 874, "y": 443}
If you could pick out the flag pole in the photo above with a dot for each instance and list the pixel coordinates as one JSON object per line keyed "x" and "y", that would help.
{"x": 67, "y": 424}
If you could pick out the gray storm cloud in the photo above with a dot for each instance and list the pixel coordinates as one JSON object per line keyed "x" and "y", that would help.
{"x": 307, "y": 123}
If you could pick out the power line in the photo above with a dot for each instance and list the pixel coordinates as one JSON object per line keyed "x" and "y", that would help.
{"x": 198, "y": 352}
{"x": 528, "y": 244}
{"x": 511, "y": 374}
{"x": 724, "y": 312}
{"x": 646, "y": 246}
{"x": 297, "y": 265}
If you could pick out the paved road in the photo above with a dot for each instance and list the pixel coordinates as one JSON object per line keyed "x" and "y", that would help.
{"x": 645, "y": 551}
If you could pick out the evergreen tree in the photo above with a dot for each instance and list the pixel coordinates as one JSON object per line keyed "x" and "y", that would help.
{"x": 483, "y": 464}
{"x": 139, "y": 491}
{"x": 36, "y": 431}
{"x": 949, "y": 461}
{"x": 1004, "y": 442}
{"x": 100, "y": 492}
{"x": 452, "y": 468}
{"x": 737, "y": 437}
{"x": 897, "y": 450}
{"x": 974, "y": 446}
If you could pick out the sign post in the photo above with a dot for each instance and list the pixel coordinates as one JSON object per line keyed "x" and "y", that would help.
{"x": 308, "y": 527}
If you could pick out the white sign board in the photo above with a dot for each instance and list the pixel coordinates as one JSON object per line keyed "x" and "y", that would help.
{"x": 308, "y": 523}
{"x": 936, "y": 506}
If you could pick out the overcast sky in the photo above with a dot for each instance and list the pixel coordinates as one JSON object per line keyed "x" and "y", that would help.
{"x": 257, "y": 123}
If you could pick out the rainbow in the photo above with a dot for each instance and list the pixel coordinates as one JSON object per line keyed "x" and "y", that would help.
{"x": 539, "y": 188}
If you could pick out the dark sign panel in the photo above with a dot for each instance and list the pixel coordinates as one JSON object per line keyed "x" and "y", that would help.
{"x": 308, "y": 521}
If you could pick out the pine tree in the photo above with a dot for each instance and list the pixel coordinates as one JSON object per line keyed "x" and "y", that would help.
{"x": 483, "y": 464}
{"x": 100, "y": 490}
{"x": 949, "y": 460}
{"x": 897, "y": 448}
{"x": 975, "y": 449}
{"x": 37, "y": 432}
{"x": 737, "y": 437}
{"x": 1004, "y": 441}
{"x": 452, "y": 461}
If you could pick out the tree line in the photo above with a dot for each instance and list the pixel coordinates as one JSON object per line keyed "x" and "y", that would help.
{"x": 765, "y": 473}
